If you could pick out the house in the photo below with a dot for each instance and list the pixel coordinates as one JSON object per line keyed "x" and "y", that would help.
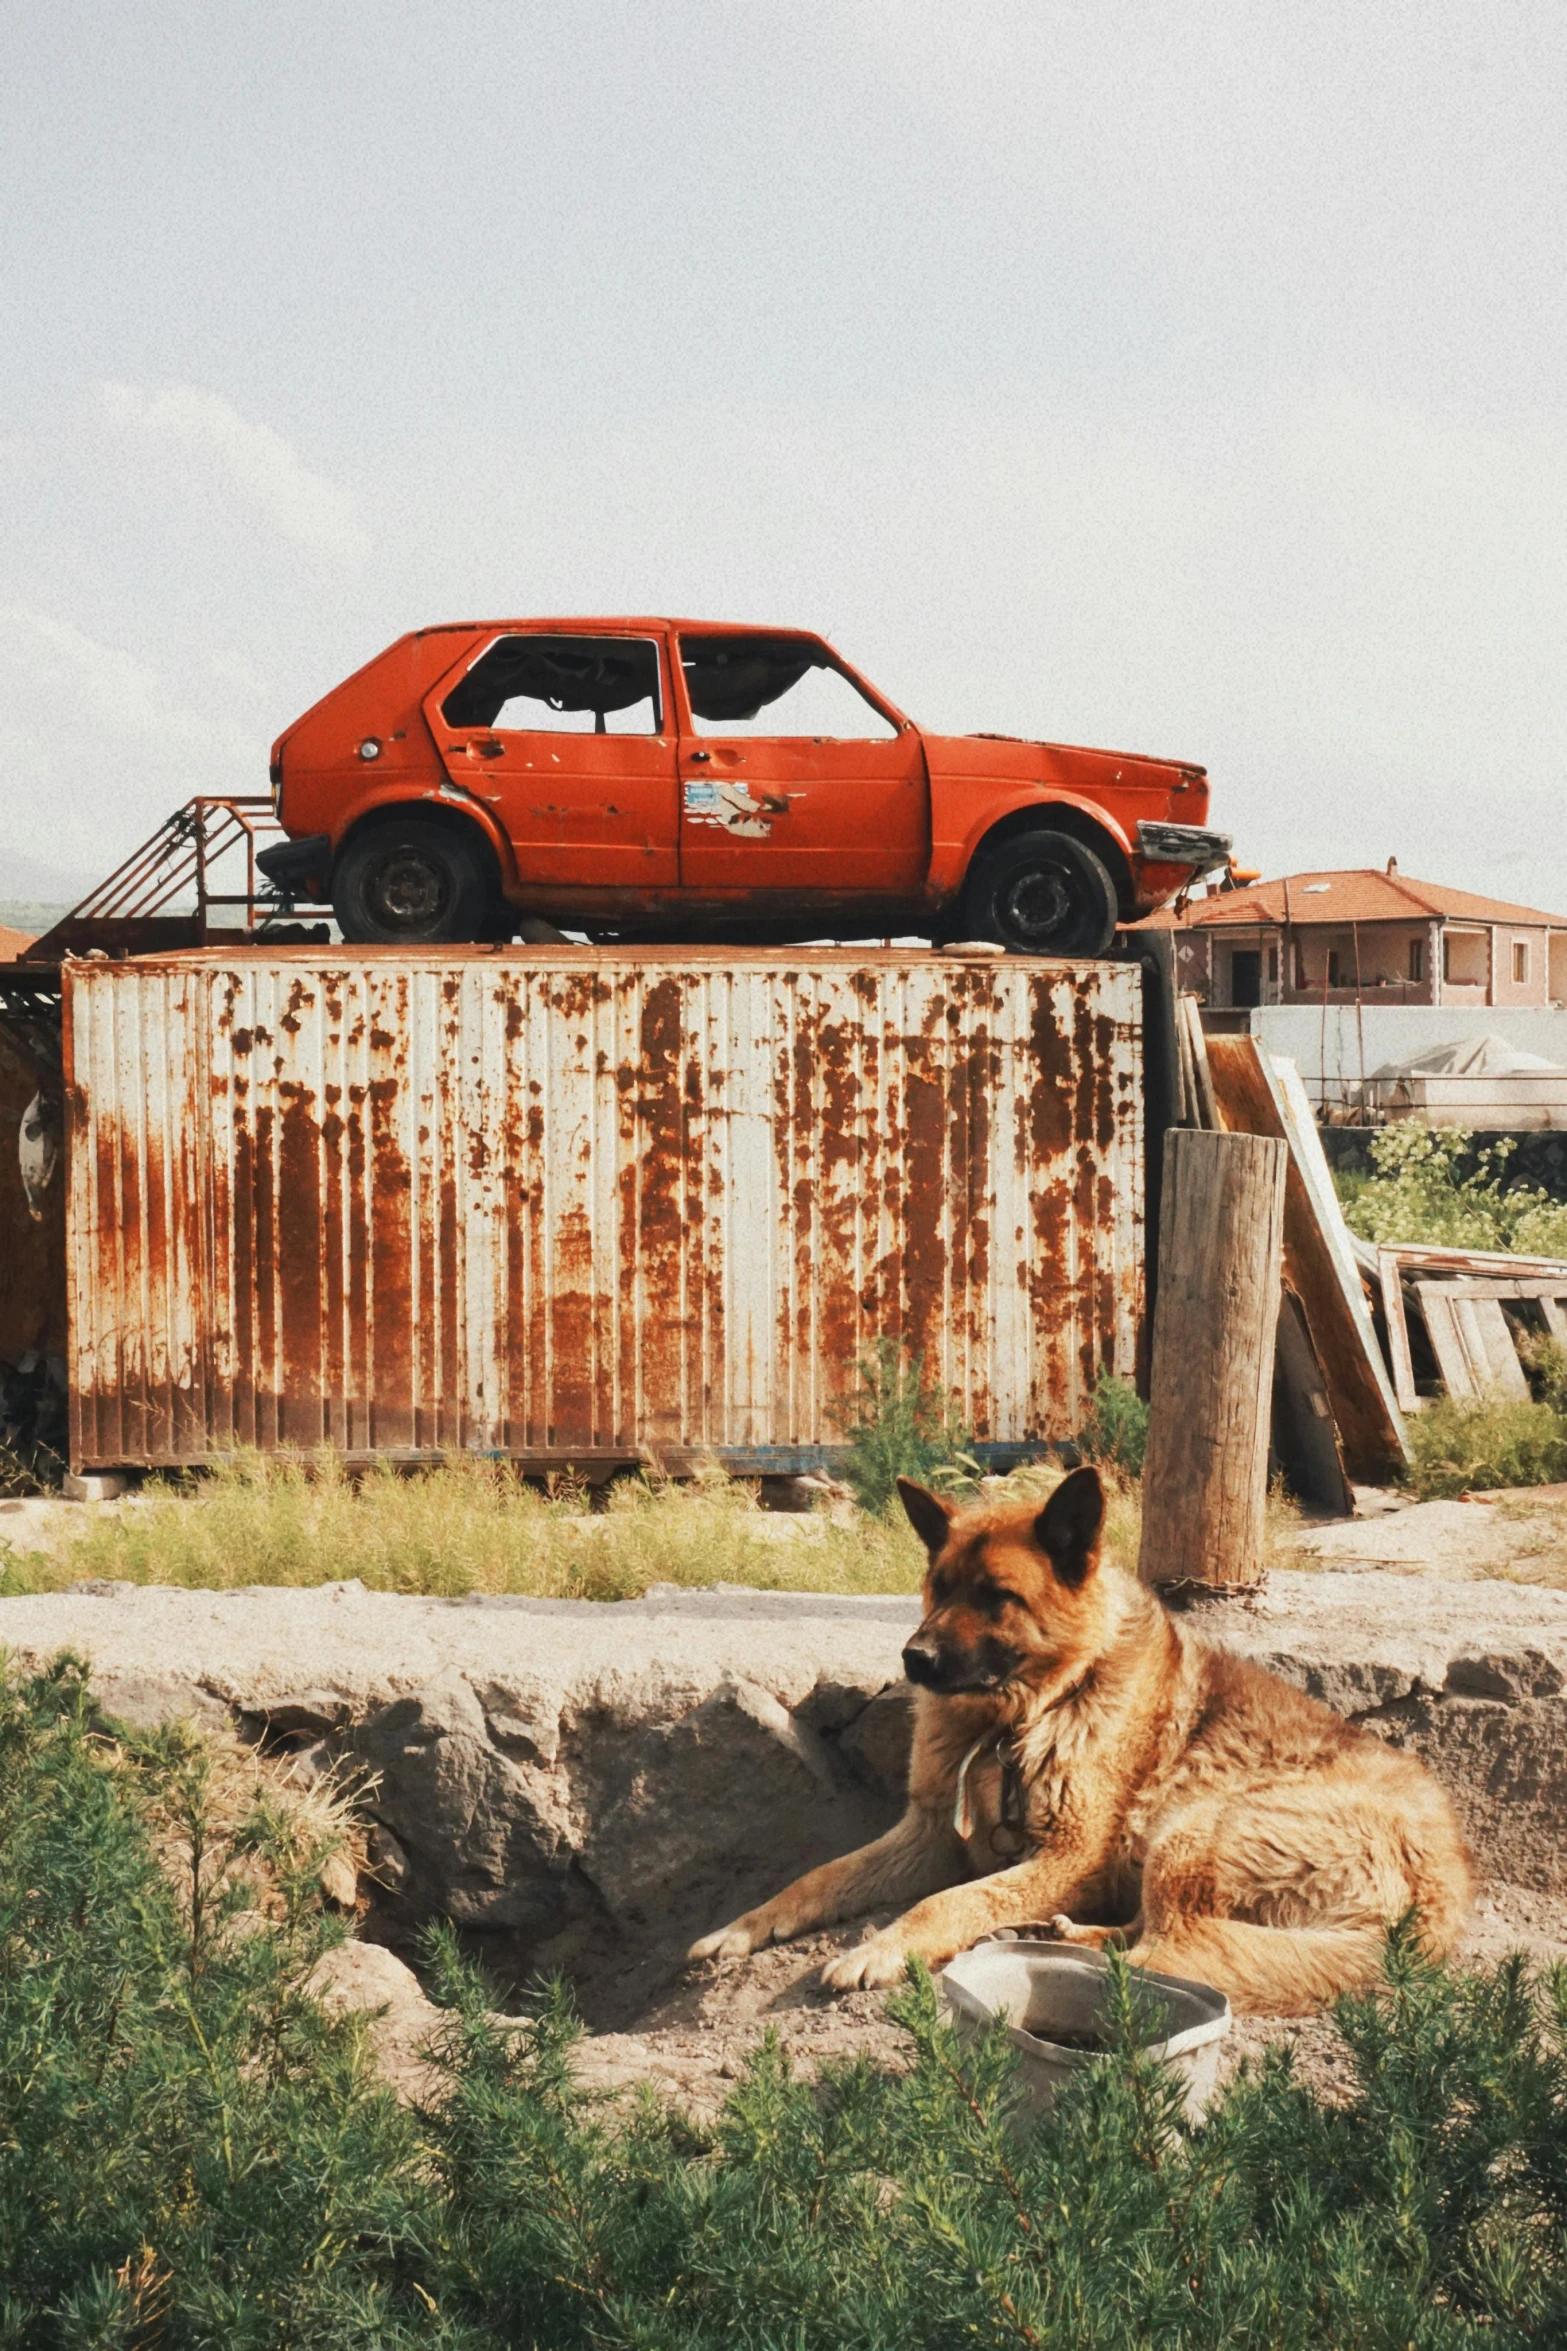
{"x": 1363, "y": 936}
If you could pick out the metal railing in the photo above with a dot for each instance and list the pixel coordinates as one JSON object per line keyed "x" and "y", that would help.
{"x": 199, "y": 865}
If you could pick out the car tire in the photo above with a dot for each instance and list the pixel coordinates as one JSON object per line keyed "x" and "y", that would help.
{"x": 1041, "y": 893}
{"x": 408, "y": 883}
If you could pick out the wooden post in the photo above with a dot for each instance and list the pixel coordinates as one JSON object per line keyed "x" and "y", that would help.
{"x": 1221, "y": 1243}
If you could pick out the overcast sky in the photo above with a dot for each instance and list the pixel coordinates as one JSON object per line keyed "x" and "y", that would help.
{"x": 1184, "y": 378}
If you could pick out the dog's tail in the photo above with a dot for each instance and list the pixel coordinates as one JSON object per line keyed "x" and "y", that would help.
{"x": 1277, "y": 1971}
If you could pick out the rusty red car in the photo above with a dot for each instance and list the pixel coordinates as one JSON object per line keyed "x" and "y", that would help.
{"x": 655, "y": 779}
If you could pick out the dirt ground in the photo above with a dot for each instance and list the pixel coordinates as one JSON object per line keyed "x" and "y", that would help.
{"x": 689, "y": 2030}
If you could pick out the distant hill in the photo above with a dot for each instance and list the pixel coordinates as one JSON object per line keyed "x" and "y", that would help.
{"x": 31, "y": 915}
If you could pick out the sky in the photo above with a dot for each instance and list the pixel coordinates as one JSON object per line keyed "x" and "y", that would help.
{"x": 1177, "y": 378}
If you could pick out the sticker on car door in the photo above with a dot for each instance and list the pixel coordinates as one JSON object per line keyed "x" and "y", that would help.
{"x": 731, "y": 807}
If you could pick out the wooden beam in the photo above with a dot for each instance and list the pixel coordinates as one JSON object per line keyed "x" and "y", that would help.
{"x": 1205, "y": 1481}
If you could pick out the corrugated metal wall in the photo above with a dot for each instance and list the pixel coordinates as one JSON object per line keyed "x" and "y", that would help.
{"x": 574, "y": 1205}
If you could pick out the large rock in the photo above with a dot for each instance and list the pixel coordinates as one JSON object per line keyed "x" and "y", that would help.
{"x": 656, "y": 1764}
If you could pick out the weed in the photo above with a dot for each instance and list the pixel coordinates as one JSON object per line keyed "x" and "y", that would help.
{"x": 1459, "y": 1448}
{"x": 1418, "y": 1192}
{"x": 900, "y": 1424}
{"x": 467, "y": 1525}
{"x": 1115, "y": 1433}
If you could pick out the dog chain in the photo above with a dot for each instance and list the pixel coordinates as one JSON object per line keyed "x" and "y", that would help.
{"x": 1010, "y": 1834}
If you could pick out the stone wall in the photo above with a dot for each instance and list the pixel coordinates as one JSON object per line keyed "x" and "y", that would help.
{"x": 652, "y": 1766}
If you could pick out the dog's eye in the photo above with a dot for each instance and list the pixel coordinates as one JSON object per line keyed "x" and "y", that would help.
{"x": 998, "y": 1597}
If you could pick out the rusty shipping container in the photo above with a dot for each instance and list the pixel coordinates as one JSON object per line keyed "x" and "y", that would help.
{"x": 584, "y": 1206}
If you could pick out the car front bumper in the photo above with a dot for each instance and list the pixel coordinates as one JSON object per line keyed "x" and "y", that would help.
{"x": 1183, "y": 844}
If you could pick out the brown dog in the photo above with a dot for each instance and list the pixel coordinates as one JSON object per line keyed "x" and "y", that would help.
{"x": 1078, "y": 1751}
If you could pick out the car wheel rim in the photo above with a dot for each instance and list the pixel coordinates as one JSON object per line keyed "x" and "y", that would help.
{"x": 406, "y": 892}
{"x": 1039, "y": 903}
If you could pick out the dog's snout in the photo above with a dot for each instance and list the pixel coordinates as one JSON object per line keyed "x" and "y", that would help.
{"x": 922, "y": 1661}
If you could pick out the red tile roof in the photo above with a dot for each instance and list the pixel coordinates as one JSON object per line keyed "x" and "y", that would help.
{"x": 13, "y": 943}
{"x": 1358, "y": 894}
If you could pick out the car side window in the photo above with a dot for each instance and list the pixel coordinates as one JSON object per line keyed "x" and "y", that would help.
{"x": 775, "y": 686}
{"x": 561, "y": 686}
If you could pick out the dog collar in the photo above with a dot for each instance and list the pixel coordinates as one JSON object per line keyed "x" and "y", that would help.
{"x": 1010, "y": 1835}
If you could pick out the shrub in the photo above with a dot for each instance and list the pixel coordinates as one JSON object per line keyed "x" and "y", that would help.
{"x": 1457, "y": 1448}
{"x": 900, "y": 1424}
{"x": 1115, "y": 1434}
{"x": 194, "y": 2157}
{"x": 1419, "y": 1192}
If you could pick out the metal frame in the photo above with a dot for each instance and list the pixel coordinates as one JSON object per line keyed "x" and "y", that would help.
{"x": 136, "y": 909}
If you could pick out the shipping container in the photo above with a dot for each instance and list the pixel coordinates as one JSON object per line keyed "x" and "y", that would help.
{"x": 591, "y": 1206}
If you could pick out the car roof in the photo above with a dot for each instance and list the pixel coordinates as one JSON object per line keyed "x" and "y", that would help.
{"x": 621, "y": 620}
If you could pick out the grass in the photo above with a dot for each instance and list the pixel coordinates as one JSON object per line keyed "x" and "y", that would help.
{"x": 472, "y": 1525}
{"x": 194, "y": 2156}
{"x": 468, "y": 1525}
{"x": 1470, "y": 1448}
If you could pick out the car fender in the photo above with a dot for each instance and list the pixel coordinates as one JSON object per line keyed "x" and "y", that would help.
{"x": 449, "y": 799}
{"x": 960, "y": 828}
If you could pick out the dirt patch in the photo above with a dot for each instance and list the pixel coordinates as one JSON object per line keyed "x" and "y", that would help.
{"x": 690, "y": 2029}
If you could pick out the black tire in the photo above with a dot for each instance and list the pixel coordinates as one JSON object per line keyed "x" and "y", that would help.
{"x": 408, "y": 883}
{"x": 1041, "y": 893}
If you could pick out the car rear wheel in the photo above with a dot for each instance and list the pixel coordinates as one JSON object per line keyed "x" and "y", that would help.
{"x": 409, "y": 883}
{"x": 1041, "y": 893}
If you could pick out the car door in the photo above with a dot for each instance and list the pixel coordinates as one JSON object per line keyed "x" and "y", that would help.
{"x": 792, "y": 778}
{"x": 567, "y": 738}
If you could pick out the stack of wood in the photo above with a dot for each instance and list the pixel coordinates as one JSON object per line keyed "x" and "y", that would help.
{"x": 1366, "y": 1335}
{"x": 1476, "y": 1311}
{"x": 1336, "y": 1416}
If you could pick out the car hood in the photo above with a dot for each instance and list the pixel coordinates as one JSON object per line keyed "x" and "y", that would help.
{"x": 1068, "y": 766}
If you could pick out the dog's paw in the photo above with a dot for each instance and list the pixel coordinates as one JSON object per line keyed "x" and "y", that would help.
{"x": 731, "y": 1942}
{"x": 868, "y": 1966}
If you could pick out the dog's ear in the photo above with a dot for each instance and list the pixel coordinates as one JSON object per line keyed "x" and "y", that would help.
{"x": 1067, "y": 1530}
{"x": 929, "y": 1516}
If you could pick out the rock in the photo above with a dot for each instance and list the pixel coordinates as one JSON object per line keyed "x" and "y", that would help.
{"x": 340, "y": 1881}
{"x": 400, "y": 2022}
{"x": 878, "y": 1740}
{"x": 569, "y": 1774}
{"x": 389, "y": 1865}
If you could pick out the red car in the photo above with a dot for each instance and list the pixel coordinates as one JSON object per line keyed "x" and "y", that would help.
{"x": 669, "y": 779}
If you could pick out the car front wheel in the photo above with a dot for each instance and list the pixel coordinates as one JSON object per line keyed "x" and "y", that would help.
{"x": 1041, "y": 893}
{"x": 409, "y": 883}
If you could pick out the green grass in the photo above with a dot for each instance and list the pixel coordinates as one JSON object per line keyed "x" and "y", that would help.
{"x": 194, "y": 2157}
{"x": 1470, "y": 1448}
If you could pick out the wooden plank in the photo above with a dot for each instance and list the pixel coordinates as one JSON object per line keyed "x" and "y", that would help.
{"x": 1206, "y": 1110}
{"x": 1539, "y": 1286}
{"x": 1205, "y": 1479}
{"x": 1472, "y": 1344}
{"x": 1328, "y": 1284}
{"x": 1415, "y": 1257}
{"x": 1392, "y": 1287}
{"x": 1304, "y": 1437}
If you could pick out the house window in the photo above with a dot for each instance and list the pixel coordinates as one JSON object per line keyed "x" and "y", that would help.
{"x": 1273, "y": 967}
{"x": 1300, "y": 965}
{"x": 1520, "y": 963}
{"x": 1417, "y": 959}
{"x": 1334, "y": 979}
